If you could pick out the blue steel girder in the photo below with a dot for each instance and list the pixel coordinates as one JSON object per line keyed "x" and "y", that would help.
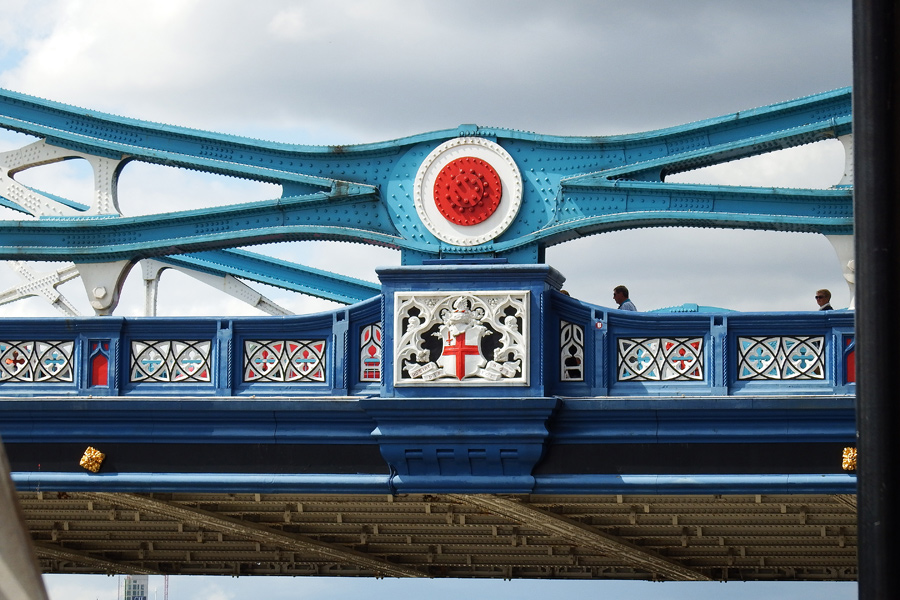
{"x": 570, "y": 186}
{"x": 282, "y": 274}
{"x": 108, "y": 238}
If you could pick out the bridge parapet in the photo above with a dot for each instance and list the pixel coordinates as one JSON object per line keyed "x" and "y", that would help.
{"x": 700, "y": 354}
{"x": 443, "y": 331}
{"x": 193, "y": 357}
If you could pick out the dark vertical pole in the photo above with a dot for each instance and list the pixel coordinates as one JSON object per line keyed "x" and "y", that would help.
{"x": 876, "y": 140}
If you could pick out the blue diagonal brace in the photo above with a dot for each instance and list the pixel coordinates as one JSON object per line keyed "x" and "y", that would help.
{"x": 656, "y": 169}
{"x": 278, "y": 273}
{"x": 617, "y": 205}
{"x": 101, "y": 239}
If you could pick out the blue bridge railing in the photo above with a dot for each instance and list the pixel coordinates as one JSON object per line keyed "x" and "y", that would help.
{"x": 578, "y": 349}
{"x": 699, "y": 354}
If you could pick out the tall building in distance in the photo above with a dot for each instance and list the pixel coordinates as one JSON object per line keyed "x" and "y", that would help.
{"x": 134, "y": 587}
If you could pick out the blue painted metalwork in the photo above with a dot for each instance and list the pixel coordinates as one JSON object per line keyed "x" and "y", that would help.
{"x": 373, "y": 484}
{"x": 431, "y": 445}
{"x": 698, "y": 484}
{"x": 200, "y": 483}
{"x": 283, "y": 274}
{"x": 603, "y": 327}
{"x": 589, "y": 382}
{"x": 571, "y": 187}
{"x": 533, "y": 438}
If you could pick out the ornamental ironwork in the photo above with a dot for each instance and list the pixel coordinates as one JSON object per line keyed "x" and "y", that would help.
{"x": 848, "y": 459}
{"x": 571, "y": 351}
{"x": 284, "y": 361}
{"x": 467, "y": 338}
{"x": 36, "y": 361}
{"x": 370, "y": 353}
{"x": 660, "y": 359}
{"x": 781, "y": 357}
{"x": 170, "y": 361}
{"x": 431, "y": 195}
{"x": 849, "y": 358}
{"x": 468, "y": 191}
{"x": 92, "y": 459}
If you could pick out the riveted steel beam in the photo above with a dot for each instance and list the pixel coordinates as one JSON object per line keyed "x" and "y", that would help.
{"x": 581, "y": 535}
{"x": 278, "y": 273}
{"x": 372, "y": 193}
{"x": 846, "y": 500}
{"x": 43, "y": 550}
{"x": 254, "y": 532}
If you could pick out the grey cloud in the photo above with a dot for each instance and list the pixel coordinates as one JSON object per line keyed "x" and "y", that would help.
{"x": 381, "y": 70}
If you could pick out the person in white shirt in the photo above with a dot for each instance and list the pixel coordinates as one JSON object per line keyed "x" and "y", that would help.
{"x": 620, "y": 295}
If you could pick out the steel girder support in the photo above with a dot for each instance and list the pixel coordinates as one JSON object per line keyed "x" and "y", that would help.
{"x": 581, "y": 535}
{"x": 583, "y": 193}
{"x": 104, "y": 239}
{"x": 217, "y": 268}
{"x": 82, "y": 558}
{"x": 657, "y": 169}
{"x": 152, "y": 270}
{"x": 42, "y": 204}
{"x": 278, "y": 273}
{"x": 220, "y": 268}
{"x": 42, "y": 284}
{"x": 65, "y": 125}
{"x": 685, "y": 147}
{"x": 252, "y": 531}
{"x": 619, "y": 205}
{"x": 846, "y": 500}
{"x": 106, "y": 276}
{"x": 630, "y": 204}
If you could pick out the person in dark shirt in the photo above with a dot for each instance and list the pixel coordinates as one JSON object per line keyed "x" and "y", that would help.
{"x": 823, "y": 299}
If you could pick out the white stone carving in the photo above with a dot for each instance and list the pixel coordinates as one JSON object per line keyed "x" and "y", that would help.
{"x": 461, "y": 338}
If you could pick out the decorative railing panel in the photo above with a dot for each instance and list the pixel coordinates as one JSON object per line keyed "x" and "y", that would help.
{"x": 173, "y": 361}
{"x": 781, "y": 357}
{"x": 849, "y": 356}
{"x": 284, "y": 361}
{"x": 370, "y": 353}
{"x": 36, "y": 361}
{"x": 660, "y": 359}
{"x": 571, "y": 343}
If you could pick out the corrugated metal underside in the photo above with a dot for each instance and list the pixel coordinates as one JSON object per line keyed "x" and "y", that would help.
{"x": 661, "y": 537}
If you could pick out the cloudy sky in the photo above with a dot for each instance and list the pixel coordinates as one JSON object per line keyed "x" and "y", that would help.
{"x": 345, "y": 72}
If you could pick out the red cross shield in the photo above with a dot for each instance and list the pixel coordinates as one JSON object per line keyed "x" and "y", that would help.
{"x": 461, "y": 355}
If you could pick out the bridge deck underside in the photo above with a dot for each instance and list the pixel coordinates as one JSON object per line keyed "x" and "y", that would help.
{"x": 718, "y": 537}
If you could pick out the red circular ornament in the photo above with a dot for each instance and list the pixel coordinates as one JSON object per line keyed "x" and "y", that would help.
{"x": 467, "y": 191}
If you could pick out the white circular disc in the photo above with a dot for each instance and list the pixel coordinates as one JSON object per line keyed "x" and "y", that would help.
{"x": 510, "y": 197}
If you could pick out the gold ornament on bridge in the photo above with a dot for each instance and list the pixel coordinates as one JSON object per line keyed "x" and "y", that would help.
{"x": 849, "y": 461}
{"x": 92, "y": 459}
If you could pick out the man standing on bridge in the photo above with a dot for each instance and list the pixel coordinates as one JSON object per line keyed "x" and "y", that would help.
{"x": 823, "y": 299}
{"x": 620, "y": 295}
